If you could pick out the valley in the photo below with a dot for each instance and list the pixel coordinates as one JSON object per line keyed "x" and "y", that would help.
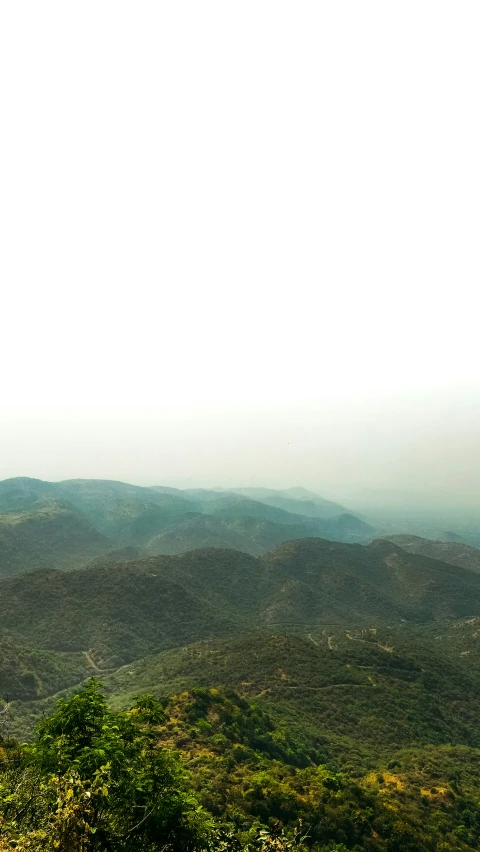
{"x": 294, "y": 657}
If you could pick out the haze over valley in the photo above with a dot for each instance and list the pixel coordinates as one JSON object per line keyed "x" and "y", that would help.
{"x": 239, "y": 427}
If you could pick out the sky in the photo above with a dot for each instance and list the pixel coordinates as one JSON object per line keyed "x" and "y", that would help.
{"x": 239, "y": 243}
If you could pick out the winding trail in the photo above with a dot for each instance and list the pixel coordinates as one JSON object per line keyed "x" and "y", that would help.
{"x": 91, "y": 662}
{"x": 389, "y": 648}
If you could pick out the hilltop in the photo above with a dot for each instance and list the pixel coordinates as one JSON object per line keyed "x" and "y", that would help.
{"x": 120, "y": 611}
{"x": 331, "y": 682}
{"x": 453, "y": 552}
{"x": 358, "y": 692}
{"x": 255, "y": 535}
{"x": 49, "y": 534}
{"x": 68, "y": 524}
{"x": 300, "y": 501}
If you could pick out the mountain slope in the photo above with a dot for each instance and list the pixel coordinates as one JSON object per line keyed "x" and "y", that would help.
{"x": 347, "y": 689}
{"x": 455, "y": 553}
{"x": 359, "y": 694}
{"x": 296, "y": 500}
{"x": 122, "y": 611}
{"x": 257, "y": 781}
{"x": 236, "y": 504}
{"x": 125, "y": 512}
{"x": 239, "y": 533}
{"x": 252, "y": 535}
{"x": 47, "y": 534}
{"x": 325, "y": 581}
{"x": 22, "y": 492}
{"x": 119, "y": 611}
{"x": 167, "y": 520}
{"x": 28, "y": 673}
{"x": 344, "y": 527}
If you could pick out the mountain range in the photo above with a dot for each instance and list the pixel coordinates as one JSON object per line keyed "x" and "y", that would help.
{"x": 68, "y": 524}
{"x": 453, "y": 552}
{"x": 270, "y": 646}
{"x": 114, "y": 612}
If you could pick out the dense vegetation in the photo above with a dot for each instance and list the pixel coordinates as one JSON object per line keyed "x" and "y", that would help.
{"x": 121, "y": 611}
{"x": 452, "y": 552}
{"x": 249, "y": 533}
{"x": 92, "y": 780}
{"x": 320, "y": 695}
{"x": 28, "y": 672}
{"x": 50, "y": 535}
{"x": 208, "y": 770}
{"x": 69, "y": 524}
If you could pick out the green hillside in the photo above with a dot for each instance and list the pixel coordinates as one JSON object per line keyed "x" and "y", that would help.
{"x": 421, "y": 799}
{"x": 359, "y": 744}
{"x": 453, "y": 552}
{"x": 229, "y": 506}
{"x": 157, "y": 520}
{"x": 124, "y": 512}
{"x": 123, "y": 610}
{"x": 240, "y": 533}
{"x": 28, "y": 673}
{"x": 115, "y": 613}
{"x": 118, "y": 611}
{"x": 47, "y": 534}
{"x": 22, "y": 492}
{"x": 325, "y": 581}
{"x": 358, "y": 696}
{"x": 296, "y": 500}
{"x": 207, "y": 769}
{"x": 327, "y": 520}
{"x": 456, "y": 641}
{"x": 329, "y": 683}
{"x": 252, "y": 535}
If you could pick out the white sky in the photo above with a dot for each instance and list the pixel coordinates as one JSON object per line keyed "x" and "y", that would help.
{"x": 252, "y": 204}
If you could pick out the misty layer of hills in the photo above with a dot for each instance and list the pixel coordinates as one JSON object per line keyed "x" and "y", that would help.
{"x": 68, "y": 524}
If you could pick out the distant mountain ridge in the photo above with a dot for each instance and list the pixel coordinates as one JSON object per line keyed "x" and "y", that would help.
{"x": 113, "y": 515}
{"x": 249, "y": 534}
{"x": 452, "y": 552}
{"x": 297, "y": 500}
{"x": 50, "y": 534}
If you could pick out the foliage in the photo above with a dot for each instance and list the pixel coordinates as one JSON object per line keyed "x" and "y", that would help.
{"x": 112, "y": 609}
{"x": 207, "y": 770}
{"x": 68, "y": 524}
{"x": 95, "y": 780}
{"x": 49, "y": 534}
{"x": 453, "y": 552}
{"x": 325, "y": 696}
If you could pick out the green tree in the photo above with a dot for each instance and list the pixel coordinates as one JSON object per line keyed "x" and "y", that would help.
{"x": 97, "y": 780}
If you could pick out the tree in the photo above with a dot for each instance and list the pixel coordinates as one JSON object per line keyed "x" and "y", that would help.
{"x": 97, "y": 780}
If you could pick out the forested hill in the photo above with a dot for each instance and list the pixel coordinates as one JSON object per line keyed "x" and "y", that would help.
{"x": 453, "y": 552}
{"x": 321, "y": 684}
{"x": 315, "y": 693}
{"x": 119, "y": 611}
{"x": 52, "y": 535}
{"x": 67, "y": 524}
{"x": 208, "y": 770}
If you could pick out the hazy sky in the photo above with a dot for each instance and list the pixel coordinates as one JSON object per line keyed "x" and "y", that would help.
{"x": 241, "y": 239}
